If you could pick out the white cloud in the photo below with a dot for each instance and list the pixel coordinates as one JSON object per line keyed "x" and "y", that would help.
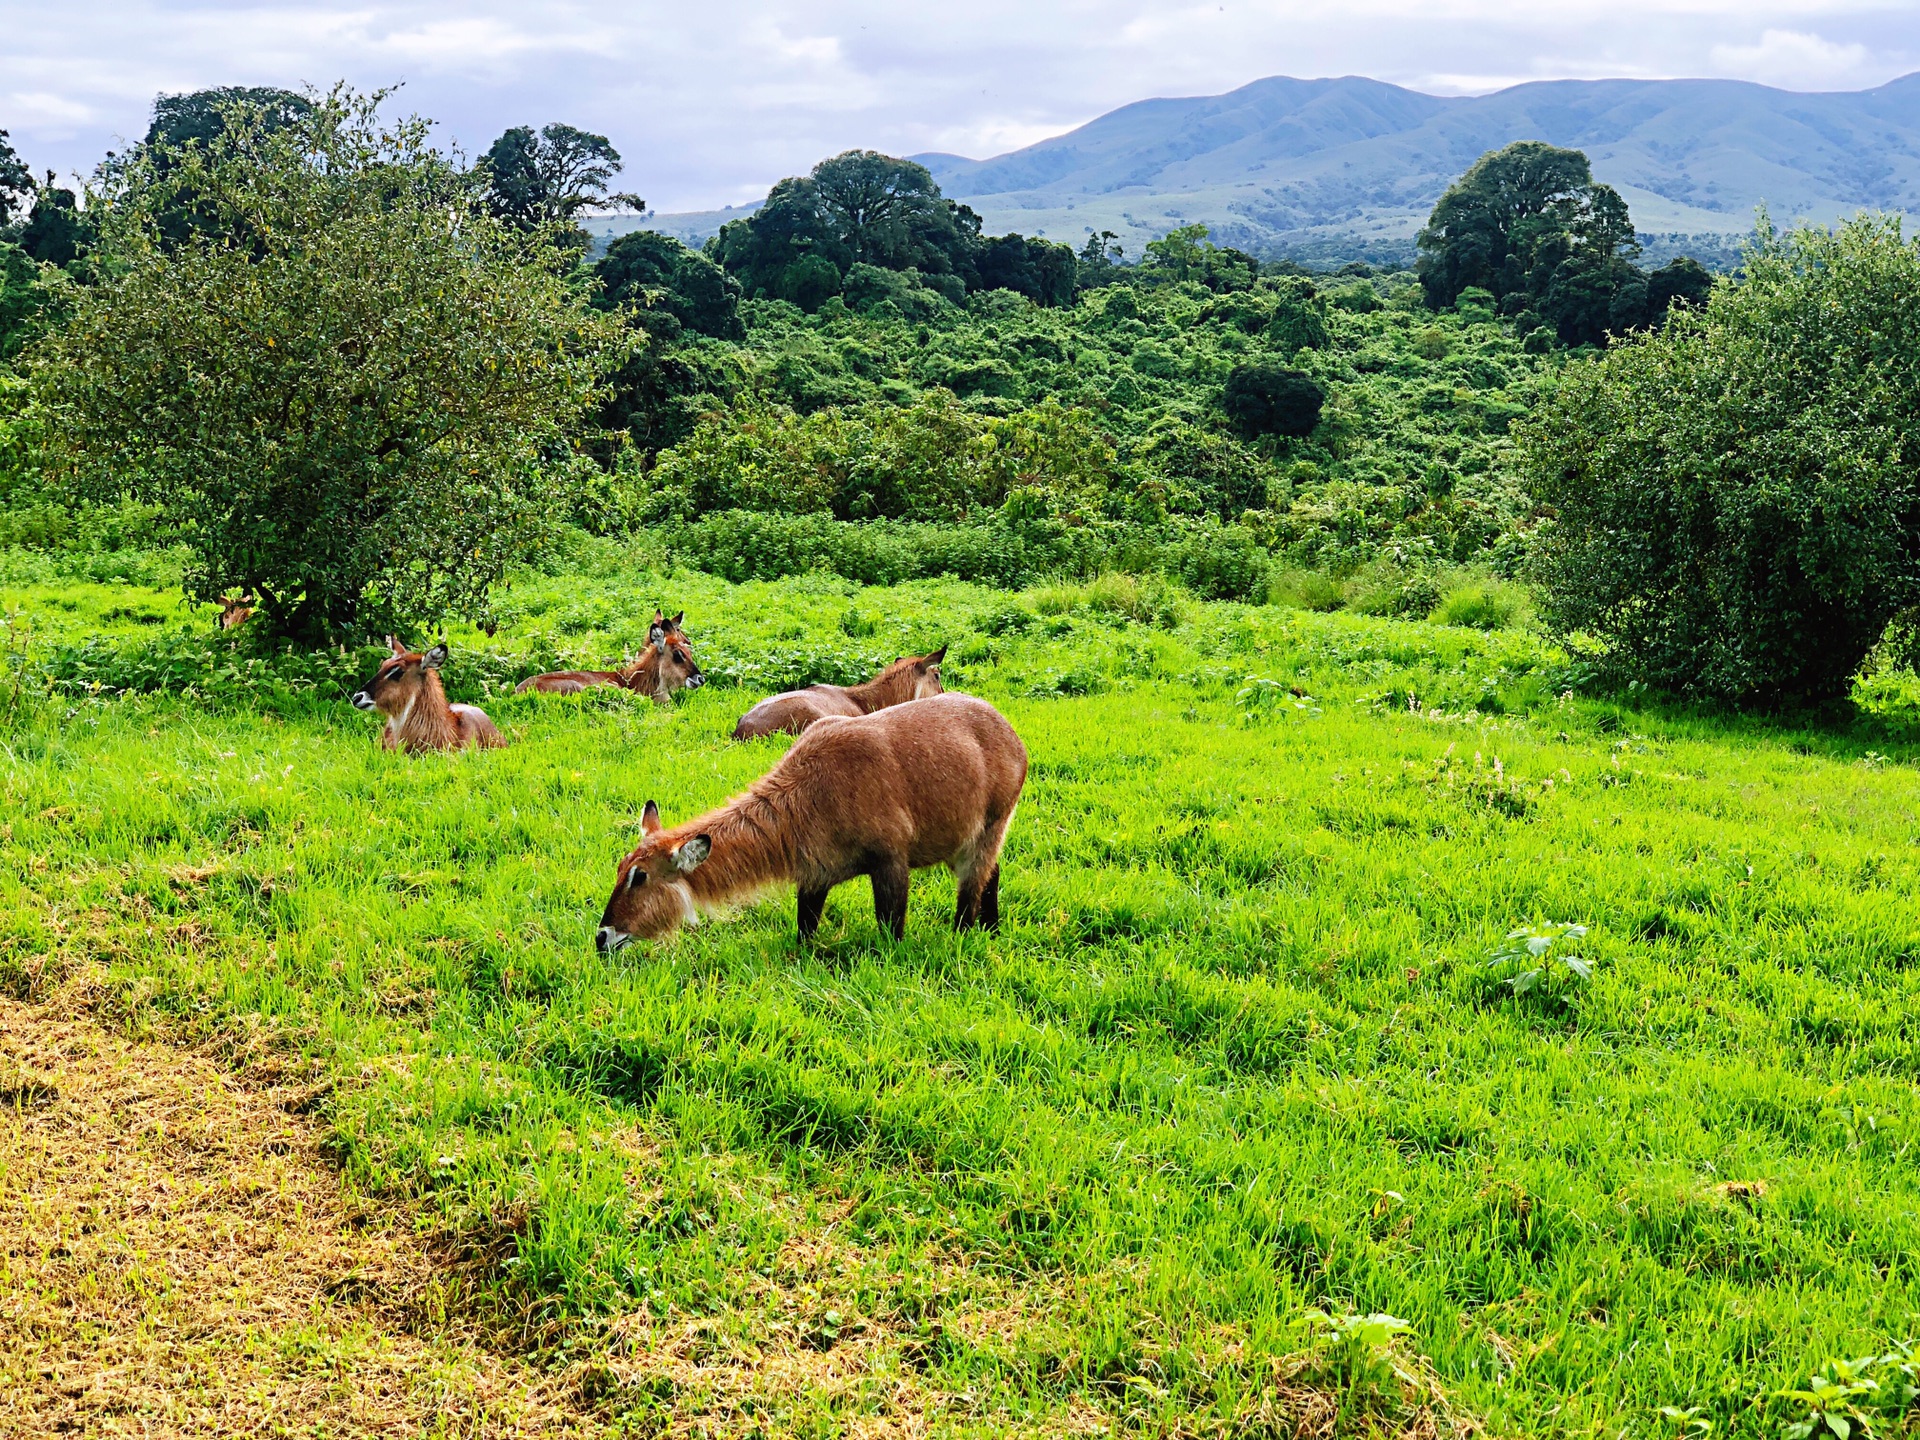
{"x": 1798, "y": 60}
{"x": 711, "y": 102}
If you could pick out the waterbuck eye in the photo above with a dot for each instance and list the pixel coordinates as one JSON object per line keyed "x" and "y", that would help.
{"x": 636, "y": 877}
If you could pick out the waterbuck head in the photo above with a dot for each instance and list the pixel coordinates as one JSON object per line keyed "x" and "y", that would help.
{"x": 926, "y": 674}
{"x": 396, "y": 687}
{"x": 667, "y": 664}
{"x": 650, "y": 892}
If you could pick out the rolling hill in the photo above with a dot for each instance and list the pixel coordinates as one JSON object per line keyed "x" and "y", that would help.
{"x": 1284, "y": 165}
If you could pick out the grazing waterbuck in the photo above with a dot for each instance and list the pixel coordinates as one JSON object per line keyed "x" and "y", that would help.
{"x": 881, "y": 795}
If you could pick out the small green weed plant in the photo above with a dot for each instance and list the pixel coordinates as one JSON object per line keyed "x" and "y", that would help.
{"x": 1534, "y": 965}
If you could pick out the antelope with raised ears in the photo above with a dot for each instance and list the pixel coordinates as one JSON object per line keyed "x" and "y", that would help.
{"x": 664, "y": 666}
{"x": 235, "y": 611}
{"x": 912, "y": 677}
{"x": 407, "y": 690}
{"x": 880, "y": 795}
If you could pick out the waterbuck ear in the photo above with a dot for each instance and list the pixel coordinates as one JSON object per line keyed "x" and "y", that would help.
{"x": 650, "y": 819}
{"x": 435, "y": 657}
{"x": 674, "y": 623}
{"x": 688, "y": 854}
{"x": 393, "y": 641}
{"x": 934, "y": 659}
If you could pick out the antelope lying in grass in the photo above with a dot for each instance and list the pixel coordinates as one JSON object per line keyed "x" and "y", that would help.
{"x": 666, "y": 665}
{"x": 912, "y": 677}
{"x": 407, "y": 690}
{"x": 881, "y": 795}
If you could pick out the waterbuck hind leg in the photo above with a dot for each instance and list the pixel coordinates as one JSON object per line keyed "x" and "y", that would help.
{"x": 812, "y": 904}
{"x": 990, "y": 899}
{"x": 967, "y": 892}
{"x": 890, "y": 881}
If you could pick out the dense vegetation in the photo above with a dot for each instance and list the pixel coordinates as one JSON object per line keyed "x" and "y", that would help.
{"x": 854, "y": 376}
{"x": 1738, "y": 511}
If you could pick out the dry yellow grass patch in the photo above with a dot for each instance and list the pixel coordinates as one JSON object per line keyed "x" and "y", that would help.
{"x": 176, "y": 1258}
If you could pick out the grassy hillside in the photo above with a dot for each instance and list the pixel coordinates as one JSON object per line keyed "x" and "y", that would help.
{"x": 1236, "y": 1055}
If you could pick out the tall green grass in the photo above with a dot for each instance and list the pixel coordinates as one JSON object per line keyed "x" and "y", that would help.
{"x": 1234, "y": 1056}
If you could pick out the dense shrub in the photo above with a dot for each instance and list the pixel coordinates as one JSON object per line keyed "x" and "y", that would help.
{"x": 1739, "y": 496}
{"x": 344, "y": 389}
{"x": 1273, "y": 400}
{"x": 933, "y": 460}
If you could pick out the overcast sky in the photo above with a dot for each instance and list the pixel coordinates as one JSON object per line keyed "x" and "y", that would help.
{"x": 711, "y": 101}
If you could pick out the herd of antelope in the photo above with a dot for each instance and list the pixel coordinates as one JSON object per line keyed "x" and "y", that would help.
{"x": 886, "y": 778}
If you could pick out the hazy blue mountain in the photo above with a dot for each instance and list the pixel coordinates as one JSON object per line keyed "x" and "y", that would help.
{"x": 1318, "y": 165}
{"x": 1286, "y": 160}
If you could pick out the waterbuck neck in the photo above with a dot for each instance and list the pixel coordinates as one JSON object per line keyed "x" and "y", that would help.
{"x": 753, "y": 848}
{"x": 895, "y": 685}
{"x": 428, "y": 722}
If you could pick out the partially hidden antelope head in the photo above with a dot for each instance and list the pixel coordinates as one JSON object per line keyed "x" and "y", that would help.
{"x": 407, "y": 690}
{"x": 235, "y": 610}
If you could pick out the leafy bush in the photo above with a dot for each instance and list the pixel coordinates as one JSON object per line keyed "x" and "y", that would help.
{"x": 743, "y": 545}
{"x": 1307, "y": 590}
{"x": 1222, "y": 563}
{"x": 344, "y": 391}
{"x": 1266, "y": 399}
{"x": 1738, "y": 497}
{"x": 933, "y": 460}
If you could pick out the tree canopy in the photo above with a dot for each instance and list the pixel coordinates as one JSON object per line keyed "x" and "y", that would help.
{"x": 544, "y": 179}
{"x": 16, "y": 183}
{"x": 1529, "y": 225}
{"x": 351, "y": 392}
{"x": 1738, "y": 496}
{"x": 857, "y": 208}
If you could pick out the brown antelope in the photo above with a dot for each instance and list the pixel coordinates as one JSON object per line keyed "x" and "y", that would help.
{"x": 879, "y": 795}
{"x": 664, "y": 666}
{"x": 235, "y": 610}
{"x": 912, "y": 677}
{"x": 406, "y": 689}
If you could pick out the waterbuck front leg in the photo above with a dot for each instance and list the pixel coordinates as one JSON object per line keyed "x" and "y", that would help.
{"x": 812, "y": 904}
{"x": 990, "y": 899}
{"x": 890, "y": 880}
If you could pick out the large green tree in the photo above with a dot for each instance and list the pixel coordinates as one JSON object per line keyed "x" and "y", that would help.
{"x": 858, "y": 208}
{"x": 1738, "y": 496}
{"x": 352, "y": 391}
{"x": 1529, "y": 224}
{"x": 543, "y": 179}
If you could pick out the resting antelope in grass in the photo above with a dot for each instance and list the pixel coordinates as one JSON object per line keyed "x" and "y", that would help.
{"x": 881, "y": 795}
{"x": 912, "y": 677}
{"x": 406, "y": 689}
{"x": 666, "y": 665}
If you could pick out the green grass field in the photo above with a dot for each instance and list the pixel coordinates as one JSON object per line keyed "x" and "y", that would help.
{"x": 1233, "y": 1057}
